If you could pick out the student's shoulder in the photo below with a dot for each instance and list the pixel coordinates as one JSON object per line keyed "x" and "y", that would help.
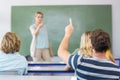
{"x": 20, "y": 56}
{"x": 2, "y": 54}
{"x": 78, "y": 52}
{"x": 23, "y": 60}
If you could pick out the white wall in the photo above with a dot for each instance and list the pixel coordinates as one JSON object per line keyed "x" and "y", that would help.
{"x": 5, "y": 15}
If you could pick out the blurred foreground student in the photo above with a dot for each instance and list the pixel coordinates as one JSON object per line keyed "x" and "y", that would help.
{"x": 86, "y": 48}
{"x": 40, "y": 48}
{"x": 95, "y": 68}
{"x": 10, "y": 59}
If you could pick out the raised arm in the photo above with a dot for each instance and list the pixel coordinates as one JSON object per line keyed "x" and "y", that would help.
{"x": 63, "y": 52}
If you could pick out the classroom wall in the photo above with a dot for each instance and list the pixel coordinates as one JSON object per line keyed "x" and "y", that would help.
{"x": 5, "y": 15}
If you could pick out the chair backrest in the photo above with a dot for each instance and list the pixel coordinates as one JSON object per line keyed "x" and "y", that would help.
{"x": 118, "y": 61}
{"x": 9, "y": 72}
{"x": 28, "y": 58}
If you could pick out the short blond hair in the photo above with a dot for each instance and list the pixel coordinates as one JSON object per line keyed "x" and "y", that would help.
{"x": 10, "y": 43}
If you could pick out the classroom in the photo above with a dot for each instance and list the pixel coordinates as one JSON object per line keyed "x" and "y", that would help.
{"x": 17, "y": 16}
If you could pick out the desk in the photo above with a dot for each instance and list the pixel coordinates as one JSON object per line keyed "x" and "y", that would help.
{"x": 7, "y": 77}
{"x": 48, "y": 69}
{"x": 52, "y": 68}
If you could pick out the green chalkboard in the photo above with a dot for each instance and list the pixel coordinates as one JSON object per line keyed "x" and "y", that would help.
{"x": 84, "y": 17}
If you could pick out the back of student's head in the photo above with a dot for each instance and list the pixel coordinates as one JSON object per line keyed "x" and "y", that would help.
{"x": 100, "y": 41}
{"x": 10, "y": 43}
{"x": 85, "y": 44}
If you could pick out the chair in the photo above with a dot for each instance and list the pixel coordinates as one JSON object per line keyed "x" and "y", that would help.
{"x": 118, "y": 61}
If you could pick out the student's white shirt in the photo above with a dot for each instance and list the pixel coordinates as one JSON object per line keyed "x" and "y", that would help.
{"x": 13, "y": 62}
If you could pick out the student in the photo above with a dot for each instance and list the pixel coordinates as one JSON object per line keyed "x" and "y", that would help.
{"x": 10, "y": 59}
{"x": 86, "y": 48}
{"x": 40, "y": 48}
{"x": 95, "y": 68}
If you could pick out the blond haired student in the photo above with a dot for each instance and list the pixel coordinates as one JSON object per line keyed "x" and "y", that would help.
{"x": 85, "y": 44}
{"x": 10, "y": 58}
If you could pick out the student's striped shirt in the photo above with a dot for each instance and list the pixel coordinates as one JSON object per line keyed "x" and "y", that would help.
{"x": 94, "y": 68}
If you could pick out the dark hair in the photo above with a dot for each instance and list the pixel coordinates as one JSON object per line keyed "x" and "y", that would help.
{"x": 100, "y": 40}
{"x": 39, "y": 13}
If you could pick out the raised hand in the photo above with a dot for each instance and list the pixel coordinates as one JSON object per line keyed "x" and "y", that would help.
{"x": 69, "y": 28}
